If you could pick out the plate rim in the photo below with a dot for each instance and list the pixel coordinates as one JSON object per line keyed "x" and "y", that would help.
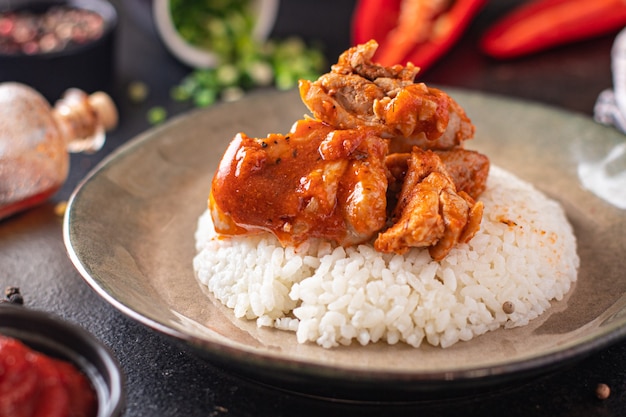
{"x": 567, "y": 352}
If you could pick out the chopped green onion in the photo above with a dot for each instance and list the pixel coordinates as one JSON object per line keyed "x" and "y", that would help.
{"x": 205, "y": 97}
{"x": 137, "y": 91}
{"x": 225, "y": 27}
{"x": 227, "y": 75}
{"x": 232, "y": 93}
{"x": 157, "y": 115}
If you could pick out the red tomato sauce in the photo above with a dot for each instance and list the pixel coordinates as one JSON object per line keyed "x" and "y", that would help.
{"x": 35, "y": 385}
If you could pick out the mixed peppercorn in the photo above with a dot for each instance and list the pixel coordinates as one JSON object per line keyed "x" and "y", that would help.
{"x": 57, "y": 28}
{"x": 12, "y": 295}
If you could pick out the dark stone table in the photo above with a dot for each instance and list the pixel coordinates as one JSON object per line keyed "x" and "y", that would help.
{"x": 163, "y": 379}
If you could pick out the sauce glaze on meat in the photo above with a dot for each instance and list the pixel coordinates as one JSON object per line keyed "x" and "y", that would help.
{"x": 382, "y": 161}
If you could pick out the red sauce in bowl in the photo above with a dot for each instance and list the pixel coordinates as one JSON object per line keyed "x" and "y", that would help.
{"x": 34, "y": 384}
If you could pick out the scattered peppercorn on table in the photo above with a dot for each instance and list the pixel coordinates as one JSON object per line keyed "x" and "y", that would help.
{"x": 165, "y": 378}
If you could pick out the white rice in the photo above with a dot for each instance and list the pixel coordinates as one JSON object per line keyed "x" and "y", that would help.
{"x": 524, "y": 254}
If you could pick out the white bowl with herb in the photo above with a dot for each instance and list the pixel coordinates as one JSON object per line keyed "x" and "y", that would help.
{"x": 201, "y": 34}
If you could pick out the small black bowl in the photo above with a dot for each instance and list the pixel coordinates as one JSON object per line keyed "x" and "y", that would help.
{"x": 52, "y": 336}
{"x": 88, "y": 66}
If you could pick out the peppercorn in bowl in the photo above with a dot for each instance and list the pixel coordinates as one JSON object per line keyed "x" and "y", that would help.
{"x": 53, "y": 45}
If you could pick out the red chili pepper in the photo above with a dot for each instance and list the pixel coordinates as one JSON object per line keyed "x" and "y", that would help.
{"x": 543, "y": 24}
{"x": 457, "y": 20}
{"x": 420, "y": 31}
{"x": 373, "y": 19}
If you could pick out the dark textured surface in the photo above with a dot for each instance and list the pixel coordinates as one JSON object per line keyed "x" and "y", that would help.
{"x": 163, "y": 379}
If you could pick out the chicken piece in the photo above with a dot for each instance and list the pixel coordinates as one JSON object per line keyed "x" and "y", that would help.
{"x": 357, "y": 92}
{"x": 313, "y": 182}
{"x": 430, "y": 212}
{"x": 358, "y": 60}
{"x": 467, "y": 168}
{"x": 424, "y": 116}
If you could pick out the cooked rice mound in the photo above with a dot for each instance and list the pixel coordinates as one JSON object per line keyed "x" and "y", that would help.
{"x": 524, "y": 255}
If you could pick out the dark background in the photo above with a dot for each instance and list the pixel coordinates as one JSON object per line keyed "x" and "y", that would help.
{"x": 163, "y": 379}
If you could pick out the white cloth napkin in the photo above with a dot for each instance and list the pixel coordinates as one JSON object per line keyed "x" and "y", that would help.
{"x": 610, "y": 108}
{"x": 607, "y": 177}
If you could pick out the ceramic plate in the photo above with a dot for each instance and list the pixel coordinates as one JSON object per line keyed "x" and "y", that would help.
{"x": 129, "y": 230}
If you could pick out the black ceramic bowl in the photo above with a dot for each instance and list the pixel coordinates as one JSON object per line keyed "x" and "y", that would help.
{"x": 88, "y": 66}
{"x": 52, "y": 336}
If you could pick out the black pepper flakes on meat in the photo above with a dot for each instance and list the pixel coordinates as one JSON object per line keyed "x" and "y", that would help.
{"x": 263, "y": 145}
{"x": 294, "y": 153}
{"x": 278, "y": 160}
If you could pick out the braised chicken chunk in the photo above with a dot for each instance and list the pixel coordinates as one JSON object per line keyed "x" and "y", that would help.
{"x": 357, "y": 92}
{"x": 430, "y": 212}
{"x": 467, "y": 168}
{"x": 382, "y": 162}
{"x": 313, "y": 182}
